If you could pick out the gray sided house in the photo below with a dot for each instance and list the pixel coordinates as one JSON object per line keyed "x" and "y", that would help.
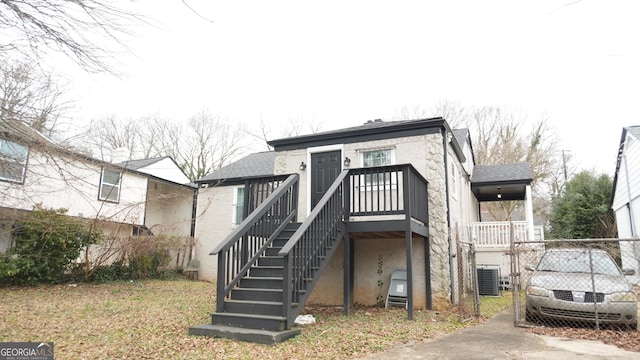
{"x": 326, "y": 218}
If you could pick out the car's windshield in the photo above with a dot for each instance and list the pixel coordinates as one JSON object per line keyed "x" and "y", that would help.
{"x": 578, "y": 261}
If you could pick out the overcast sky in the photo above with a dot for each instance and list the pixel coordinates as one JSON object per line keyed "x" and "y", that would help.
{"x": 342, "y": 63}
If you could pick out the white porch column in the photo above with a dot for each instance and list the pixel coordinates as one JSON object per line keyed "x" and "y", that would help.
{"x": 528, "y": 206}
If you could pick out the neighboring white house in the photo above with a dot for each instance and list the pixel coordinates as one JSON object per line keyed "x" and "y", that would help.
{"x": 626, "y": 196}
{"x": 124, "y": 198}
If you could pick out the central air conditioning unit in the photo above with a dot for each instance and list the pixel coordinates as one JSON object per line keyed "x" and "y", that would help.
{"x": 488, "y": 281}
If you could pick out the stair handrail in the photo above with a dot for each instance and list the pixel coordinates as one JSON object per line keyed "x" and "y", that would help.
{"x": 254, "y": 234}
{"x": 305, "y": 248}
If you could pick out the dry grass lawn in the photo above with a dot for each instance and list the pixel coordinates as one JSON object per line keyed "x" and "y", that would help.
{"x": 150, "y": 319}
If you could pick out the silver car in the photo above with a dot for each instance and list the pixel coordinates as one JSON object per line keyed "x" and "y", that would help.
{"x": 580, "y": 285}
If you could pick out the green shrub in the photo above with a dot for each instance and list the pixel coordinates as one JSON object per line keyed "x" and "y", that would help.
{"x": 47, "y": 244}
{"x": 106, "y": 273}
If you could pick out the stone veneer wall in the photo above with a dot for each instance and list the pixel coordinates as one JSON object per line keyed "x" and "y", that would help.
{"x": 438, "y": 227}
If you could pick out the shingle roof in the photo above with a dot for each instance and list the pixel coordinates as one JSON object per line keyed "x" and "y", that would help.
{"x": 252, "y": 165}
{"x": 460, "y": 135}
{"x": 501, "y": 173}
{"x": 15, "y": 129}
{"x": 137, "y": 164}
{"x": 501, "y": 182}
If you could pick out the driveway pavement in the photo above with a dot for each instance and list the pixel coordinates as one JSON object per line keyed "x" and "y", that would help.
{"x": 500, "y": 339}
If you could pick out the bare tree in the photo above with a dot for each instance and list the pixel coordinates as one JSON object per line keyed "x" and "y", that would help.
{"x": 83, "y": 30}
{"x": 31, "y": 96}
{"x": 109, "y": 133}
{"x": 204, "y": 143}
{"x": 294, "y": 127}
{"x": 455, "y": 113}
{"x": 502, "y": 136}
{"x": 506, "y": 137}
{"x": 211, "y": 142}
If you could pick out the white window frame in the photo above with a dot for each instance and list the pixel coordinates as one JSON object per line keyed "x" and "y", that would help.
{"x": 454, "y": 181}
{"x": 16, "y": 156}
{"x": 118, "y": 186}
{"x": 235, "y": 205}
{"x": 392, "y": 160}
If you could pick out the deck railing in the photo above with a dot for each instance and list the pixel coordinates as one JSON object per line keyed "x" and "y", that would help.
{"x": 498, "y": 233}
{"x": 388, "y": 190}
{"x": 242, "y": 248}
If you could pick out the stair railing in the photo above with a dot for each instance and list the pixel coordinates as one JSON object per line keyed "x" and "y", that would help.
{"x": 242, "y": 248}
{"x": 311, "y": 246}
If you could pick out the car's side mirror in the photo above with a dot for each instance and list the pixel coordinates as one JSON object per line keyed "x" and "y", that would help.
{"x": 529, "y": 267}
{"x": 628, "y": 272}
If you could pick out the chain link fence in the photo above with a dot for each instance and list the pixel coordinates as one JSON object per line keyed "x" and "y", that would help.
{"x": 576, "y": 283}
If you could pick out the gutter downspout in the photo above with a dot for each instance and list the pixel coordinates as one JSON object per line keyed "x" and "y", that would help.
{"x": 445, "y": 141}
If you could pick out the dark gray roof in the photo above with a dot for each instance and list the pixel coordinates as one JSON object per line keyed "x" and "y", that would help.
{"x": 252, "y": 165}
{"x": 460, "y": 135}
{"x": 370, "y": 124}
{"x": 501, "y": 182}
{"x": 520, "y": 172}
{"x": 368, "y": 129}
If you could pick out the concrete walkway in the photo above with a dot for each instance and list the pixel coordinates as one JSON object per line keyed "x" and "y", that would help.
{"x": 500, "y": 339}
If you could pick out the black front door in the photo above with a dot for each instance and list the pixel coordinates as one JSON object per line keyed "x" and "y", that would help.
{"x": 325, "y": 167}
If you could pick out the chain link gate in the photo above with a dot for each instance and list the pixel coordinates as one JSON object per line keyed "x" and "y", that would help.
{"x": 576, "y": 283}
{"x": 466, "y": 291}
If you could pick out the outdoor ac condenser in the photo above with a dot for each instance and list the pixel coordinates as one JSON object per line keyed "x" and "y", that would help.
{"x": 488, "y": 282}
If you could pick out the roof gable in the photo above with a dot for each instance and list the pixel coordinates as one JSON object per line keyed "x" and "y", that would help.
{"x": 253, "y": 165}
{"x": 161, "y": 167}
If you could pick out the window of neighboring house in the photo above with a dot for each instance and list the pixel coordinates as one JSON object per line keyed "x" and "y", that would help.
{"x": 110, "y": 185}
{"x": 375, "y": 158}
{"x": 454, "y": 180}
{"x": 13, "y": 161}
{"x": 238, "y": 205}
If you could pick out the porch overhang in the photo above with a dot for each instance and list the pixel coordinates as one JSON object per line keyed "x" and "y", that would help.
{"x": 501, "y": 182}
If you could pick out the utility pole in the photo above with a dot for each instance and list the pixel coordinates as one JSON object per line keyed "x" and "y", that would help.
{"x": 564, "y": 164}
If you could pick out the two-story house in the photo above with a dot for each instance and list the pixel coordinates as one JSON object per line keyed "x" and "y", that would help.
{"x": 326, "y": 218}
{"x": 122, "y": 197}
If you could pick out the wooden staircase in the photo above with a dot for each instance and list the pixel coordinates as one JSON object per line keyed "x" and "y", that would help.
{"x": 269, "y": 264}
{"x": 257, "y": 301}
